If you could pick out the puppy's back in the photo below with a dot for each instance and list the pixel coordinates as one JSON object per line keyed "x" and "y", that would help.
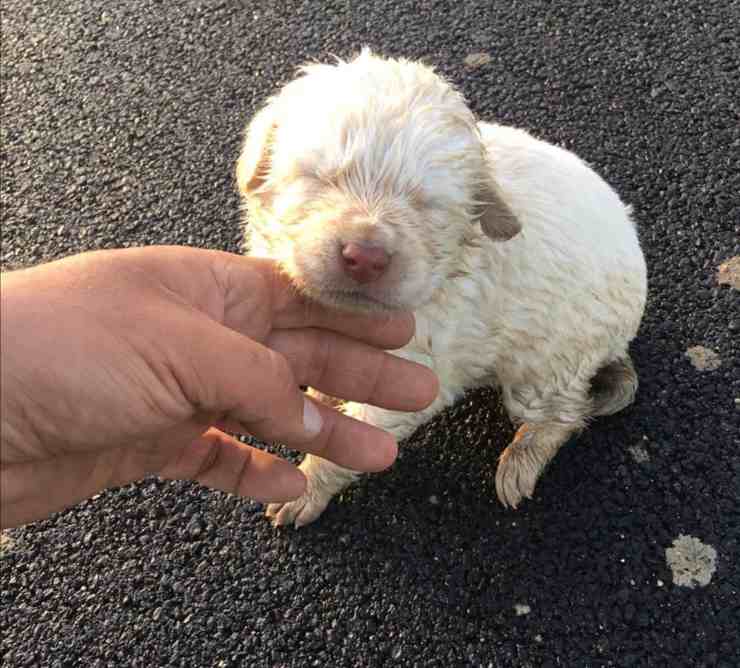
{"x": 578, "y": 252}
{"x": 561, "y": 201}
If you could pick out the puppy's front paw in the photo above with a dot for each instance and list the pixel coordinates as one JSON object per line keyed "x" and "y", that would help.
{"x": 324, "y": 479}
{"x": 304, "y": 510}
{"x": 518, "y": 469}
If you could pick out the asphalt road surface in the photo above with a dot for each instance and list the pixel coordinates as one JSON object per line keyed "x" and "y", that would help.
{"x": 121, "y": 124}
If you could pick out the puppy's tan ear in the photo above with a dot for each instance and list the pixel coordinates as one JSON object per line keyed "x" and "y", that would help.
{"x": 497, "y": 220}
{"x": 253, "y": 165}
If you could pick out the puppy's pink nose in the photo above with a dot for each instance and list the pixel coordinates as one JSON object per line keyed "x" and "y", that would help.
{"x": 363, "y": 263}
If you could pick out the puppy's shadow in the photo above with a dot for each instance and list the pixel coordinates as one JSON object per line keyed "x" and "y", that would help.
{"x": 432, "y": 524}
{"x": 447, "y": 469}
{"x": 451, "y": 460}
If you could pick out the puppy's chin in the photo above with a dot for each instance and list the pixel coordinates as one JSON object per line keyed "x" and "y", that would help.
{"x": 356, "y": 301}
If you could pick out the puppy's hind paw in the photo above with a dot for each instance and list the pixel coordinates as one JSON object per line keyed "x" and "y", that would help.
{"x": 518, "y": 470}
{"x": 304, "y": 510}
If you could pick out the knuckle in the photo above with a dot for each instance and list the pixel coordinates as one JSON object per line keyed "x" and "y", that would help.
{"x": 282, "y": 373}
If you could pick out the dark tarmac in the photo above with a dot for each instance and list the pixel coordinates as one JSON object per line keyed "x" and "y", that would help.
{"x": 121, "y": 124}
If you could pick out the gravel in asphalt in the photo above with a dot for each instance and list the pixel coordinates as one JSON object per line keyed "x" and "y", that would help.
{"x": 121, "y": 124}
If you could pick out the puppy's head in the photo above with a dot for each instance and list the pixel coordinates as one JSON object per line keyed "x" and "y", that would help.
{"x": 365, "y": 180}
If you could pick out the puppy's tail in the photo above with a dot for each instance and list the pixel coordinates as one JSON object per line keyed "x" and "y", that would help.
{"x": 614, "y": 387}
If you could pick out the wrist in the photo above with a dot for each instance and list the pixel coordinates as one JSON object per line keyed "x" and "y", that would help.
{"x": 18, "y": 436}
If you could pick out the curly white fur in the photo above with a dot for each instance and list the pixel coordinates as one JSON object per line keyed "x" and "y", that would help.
{"x": 522, "y": 265}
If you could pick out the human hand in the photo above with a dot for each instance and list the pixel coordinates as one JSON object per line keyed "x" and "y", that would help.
{"x": 121, "y": 364}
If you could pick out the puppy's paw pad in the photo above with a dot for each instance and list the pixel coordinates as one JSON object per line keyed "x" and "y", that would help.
{"x": 304, "y": 510}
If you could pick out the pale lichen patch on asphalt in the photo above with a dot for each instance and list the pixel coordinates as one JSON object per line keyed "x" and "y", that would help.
{"x": 729, "y": 273}
{"x": 475, "y": 60}
{"x": 703, "y": 359}
{"x": 691, "y": 561}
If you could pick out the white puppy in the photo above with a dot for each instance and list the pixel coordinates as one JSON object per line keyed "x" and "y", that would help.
{"x": 374, "y": 187}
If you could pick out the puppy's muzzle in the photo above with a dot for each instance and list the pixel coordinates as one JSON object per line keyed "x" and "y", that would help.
{"x": 364, "y": 263}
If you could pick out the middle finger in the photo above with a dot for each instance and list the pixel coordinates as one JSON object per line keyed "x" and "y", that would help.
{"x": 354, "y": 371}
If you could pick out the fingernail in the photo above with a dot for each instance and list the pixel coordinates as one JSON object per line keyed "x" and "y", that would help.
{"x": 312, "y": 420}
